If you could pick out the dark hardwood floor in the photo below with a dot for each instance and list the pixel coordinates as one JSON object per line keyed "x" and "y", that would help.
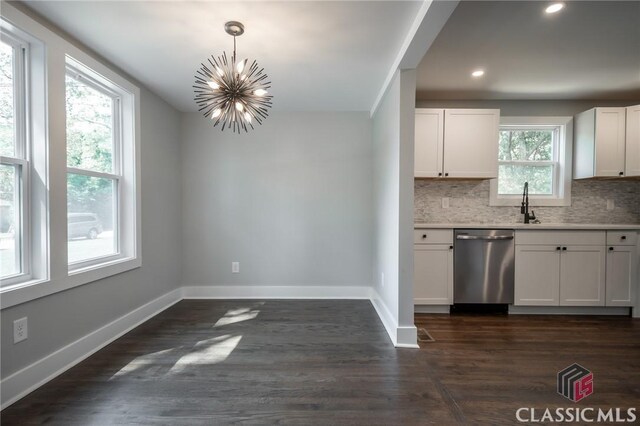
{"x": 331, "y": 362}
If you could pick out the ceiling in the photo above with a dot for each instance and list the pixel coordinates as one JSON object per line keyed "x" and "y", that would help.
{"x": 590, "y": 50}
{"x": 319, "y": 55}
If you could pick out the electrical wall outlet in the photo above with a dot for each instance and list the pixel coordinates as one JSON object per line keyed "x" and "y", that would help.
{"x": 20, "y": 331}
{"x": 445, "y": 202}
{"x": 235, "y": 267}
{"x": 610, "y": 205}
{"x": 382, "y": 278}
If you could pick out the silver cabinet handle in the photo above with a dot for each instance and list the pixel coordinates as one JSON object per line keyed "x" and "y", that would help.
{"x": 489, "y": 237}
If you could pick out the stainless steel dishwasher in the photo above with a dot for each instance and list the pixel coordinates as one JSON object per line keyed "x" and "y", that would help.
{"x": 483, "y": 266}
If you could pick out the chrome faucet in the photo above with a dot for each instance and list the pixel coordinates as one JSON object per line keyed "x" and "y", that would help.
{"x": 524, "y": 208}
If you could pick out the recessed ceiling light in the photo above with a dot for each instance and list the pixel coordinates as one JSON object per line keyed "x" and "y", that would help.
{"x": 554, "y": 7}
{"x": 477, "y": 73}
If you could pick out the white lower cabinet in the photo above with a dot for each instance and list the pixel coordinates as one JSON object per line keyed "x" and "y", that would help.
{"x": 549, "y": 275}
{"x": 582, "y": 276}
{"x": 576, "y": 268}
{"x": 433, "y": 267}
{"x": 622, "y": 275}
{"x": 433, "y": 274}
{"x": 537, "y": 275}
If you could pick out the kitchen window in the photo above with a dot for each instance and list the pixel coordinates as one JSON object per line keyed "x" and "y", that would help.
{"x": 535, "y": 150}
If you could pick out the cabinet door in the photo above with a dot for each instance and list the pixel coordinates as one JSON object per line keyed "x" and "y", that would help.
{"x": 610, "y": 141}
{"x": 433, "y": 275}
{"x": 471, "y": 143}
{"x": 537, "y": 277}
{"x": 622, "y": 275}
{"x": 428, "y": 142}
{"x": 582, "y": 276}
{"x": 632, "y": 161}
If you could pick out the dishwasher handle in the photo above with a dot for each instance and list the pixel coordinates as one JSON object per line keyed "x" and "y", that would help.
{"x": 486, "y": 237}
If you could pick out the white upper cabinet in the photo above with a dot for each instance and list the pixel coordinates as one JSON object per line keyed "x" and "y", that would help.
{"x": 456, "y": 143}
{"x": 600, "y": 143}
{"x": 471, "y": 143}
{"x": 632, "y": 160}
{"x": 430, "y": 134}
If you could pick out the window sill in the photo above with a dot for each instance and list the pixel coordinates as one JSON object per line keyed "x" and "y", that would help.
{"x": 35, "y": 289}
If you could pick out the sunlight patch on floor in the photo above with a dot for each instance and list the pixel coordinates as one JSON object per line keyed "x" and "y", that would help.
{"x": 141, "y": 362}
{"x": 236, "y": 315}
{"x": 210, "y": 351}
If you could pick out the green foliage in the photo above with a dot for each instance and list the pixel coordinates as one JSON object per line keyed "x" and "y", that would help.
{"x": 525, "y": 146}
{"x": 6, "y": 100}
{"x": 89, "y": 147}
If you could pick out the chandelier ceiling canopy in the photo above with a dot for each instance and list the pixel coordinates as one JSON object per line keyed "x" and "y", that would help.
{"x": 230, "y": 92}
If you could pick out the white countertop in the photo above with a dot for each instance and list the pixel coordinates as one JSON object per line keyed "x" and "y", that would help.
{"x": 541, "y": 226}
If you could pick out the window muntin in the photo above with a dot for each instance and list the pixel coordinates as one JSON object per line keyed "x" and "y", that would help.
{"x": 93, "y": 170}
{"x": 14, "y": 162}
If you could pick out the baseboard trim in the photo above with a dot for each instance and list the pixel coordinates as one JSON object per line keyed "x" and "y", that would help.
{"x": 275, "y": 292}
{"x": 401, "y": 336}
{"x": 407, "y": 337}
{"x": 568, "y": 310}
{"x": 28, "y": 379}
{"x": 389, "y": 322}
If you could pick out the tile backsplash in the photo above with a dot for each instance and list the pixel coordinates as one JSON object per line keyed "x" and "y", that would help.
{"x": 469, "y": 203}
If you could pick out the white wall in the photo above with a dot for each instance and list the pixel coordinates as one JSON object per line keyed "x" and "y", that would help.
{"x": 393, "y": 132}
{"x": 291, "y": 201}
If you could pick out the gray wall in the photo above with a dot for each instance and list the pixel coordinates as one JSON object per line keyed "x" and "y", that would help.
{"x": 61, "y": 318}
{"x": 386, "y": 148}
{"x": 291, "y": 201}
{"x": 393, "y": 134}
{"x": 469, "y": 200}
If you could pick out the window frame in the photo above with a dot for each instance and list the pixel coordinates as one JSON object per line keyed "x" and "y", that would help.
{"x": 116, "y": 174}
{"x": 562, "y": 164}
{"x": 126, "y": 169}
{"x": 21, "y": 157}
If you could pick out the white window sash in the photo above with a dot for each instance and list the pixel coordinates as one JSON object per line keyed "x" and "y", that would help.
{"x": 20, "y": 159}
{"x": 561, "y": 161}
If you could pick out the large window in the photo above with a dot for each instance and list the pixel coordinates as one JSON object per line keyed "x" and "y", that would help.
{"x": 536, "y": 150}
{"x": 103, "y": 229}
{"x": 93, "y": 168}
{"x": 14, "y": 162}
{"x": 69, "y": 164}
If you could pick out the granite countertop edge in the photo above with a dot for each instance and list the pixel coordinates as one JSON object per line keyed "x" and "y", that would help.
{"x": 538, "y": 226}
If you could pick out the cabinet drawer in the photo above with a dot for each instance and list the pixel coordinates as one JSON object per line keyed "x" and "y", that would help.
{"x": 622, "y": 238}
{"x": 433, "y": 236}
{"x": 565, "y": 238}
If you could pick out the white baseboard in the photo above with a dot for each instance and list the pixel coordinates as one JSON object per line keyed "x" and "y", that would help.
{"x": 567, "y": 310}
{"x": 401, "y": 337}
{"x": 275, "y": 292}
{"x": 407, "y": 337}
{"x": 28, "y": 379}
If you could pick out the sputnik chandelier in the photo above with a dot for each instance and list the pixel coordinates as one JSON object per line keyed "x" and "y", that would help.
{"x": 230, "y": 93}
